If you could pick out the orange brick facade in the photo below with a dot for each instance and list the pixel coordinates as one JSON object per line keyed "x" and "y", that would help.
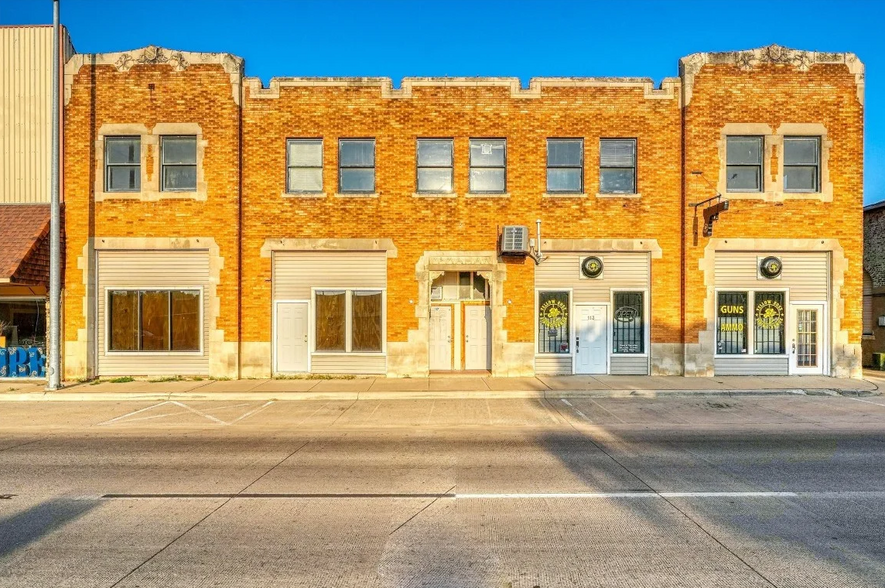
{"x": 246, "y": 211}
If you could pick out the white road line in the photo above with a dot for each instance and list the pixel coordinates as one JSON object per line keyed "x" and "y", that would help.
{"x": 635, "y": 495}
{"x": 134, "y": 412}
{"x": 866, "y": 401}
{"x": 572, "y": 406}
{"x": 195, "y": 411}
{"x": 251, "y": 412}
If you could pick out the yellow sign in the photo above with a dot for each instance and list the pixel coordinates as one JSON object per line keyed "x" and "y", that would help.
{"x": 553, "y": 314}
{"x": 769, "y": 314}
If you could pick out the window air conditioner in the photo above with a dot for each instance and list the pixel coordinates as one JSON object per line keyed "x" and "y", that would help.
{"x": 515, "y": 240}
{"x": 882, "y": 321}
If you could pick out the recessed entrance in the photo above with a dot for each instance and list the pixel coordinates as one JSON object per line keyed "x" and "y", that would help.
{"x": 460, "y": 322}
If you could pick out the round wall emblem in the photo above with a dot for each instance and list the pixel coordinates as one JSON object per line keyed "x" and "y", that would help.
{"x": 769, "y": 314}
{"x": 591, "y": 267}
{"x": 770, "y": 267}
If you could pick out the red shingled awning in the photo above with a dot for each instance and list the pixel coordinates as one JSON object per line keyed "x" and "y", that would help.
{"x": 24, "y": 244}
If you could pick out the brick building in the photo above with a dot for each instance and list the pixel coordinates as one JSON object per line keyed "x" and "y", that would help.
{"x": 333, "y": 225}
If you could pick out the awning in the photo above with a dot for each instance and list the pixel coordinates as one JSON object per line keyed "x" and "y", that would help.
{"x": 24, "y": 244}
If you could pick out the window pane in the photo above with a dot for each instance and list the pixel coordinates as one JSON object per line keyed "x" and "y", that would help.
{"x": 553, "y": 319}
{"x": 731, "y": 323}
{"x": 155, "y": 321}
{"x": 180, "y": 150}
{"x": 366, "y": 327}
{"x": 479, "y": 287}
{"x": 435, "y": 179}
{"x": 330, "y": 317}
{"x": 617, "y": 152}
{"x": 744, "y": 150}
{"x": 303, "y": 179}
{"x": 616, "y": 181}
{"x": 123, "y": 150}
{"x": 563, "y": 180}
{"x": 357, "y": 180}
{"x": 123, "y": 317}
{"x": 179, "y": 177}
{"x": 486, "y": 180}
{"x": 564, "y": 152}
{"x": 628, "y": 333}
{"x": 768, "y": 318}
{"x": 487, "y": 152}
{"x": 464, "y": 285}
{"x": 434, "y": 152}
{"x": 306, "y": 153}
{"x": 185, "y": 320}
{"x": 123, "y": 178}
{"x": 357, "y": 153}
{"x": 800, "y": 178}
{"x": 743, "y": 178}
{"x": 801, "y": 150}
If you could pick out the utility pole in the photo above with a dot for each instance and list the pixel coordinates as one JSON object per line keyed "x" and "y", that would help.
{"x": 55, "y": 222}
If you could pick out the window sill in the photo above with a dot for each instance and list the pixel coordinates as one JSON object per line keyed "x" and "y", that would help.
{"x": 602, "y": 195}
{"x": 153, "y": 353}
{"x": 357, "y": 194}
{"x": 563, "y": 195}
{"x": 150, "y": 196}
{"x": 868, "y": 337}
{"x": 487, "y": 195}
{"x": 434, "y": 195}
{"x": 308, "y": 195}
{"x": 774, "y": 196}
{"x": 348, "y": 354}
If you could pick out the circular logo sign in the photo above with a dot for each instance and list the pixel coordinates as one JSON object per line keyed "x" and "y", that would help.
{"x": 553, "y": 314}
{"x": 769, "y": 314}
{"x": 770, "y": 267}
{"x": 591, "y": 267}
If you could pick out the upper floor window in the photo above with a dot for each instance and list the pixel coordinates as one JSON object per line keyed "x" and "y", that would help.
{"x": 356, "y": 165}
{"x": 122, "y": 164}
{"x": 617, "y": 166}
{"x": 743, "y": 164}
{"x": 179, "y": 163}
{"x": 304, "y": 166}
{"x": 435, "y": 166}
{"x": 488, "y": 165}
{"x": 801, "y": 164}
{"x": 565, "y": 165}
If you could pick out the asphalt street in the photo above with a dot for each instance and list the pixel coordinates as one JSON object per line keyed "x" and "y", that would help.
{"x": 699, "y": 491}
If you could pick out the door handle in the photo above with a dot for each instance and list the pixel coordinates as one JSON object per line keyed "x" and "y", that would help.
{"x": 577, "y": 343}
{"x": 794, "y": 347}
{"x": 305, "y": 338}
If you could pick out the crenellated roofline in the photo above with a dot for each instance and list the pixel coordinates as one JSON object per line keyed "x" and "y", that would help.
{"x": 690, "y": 65}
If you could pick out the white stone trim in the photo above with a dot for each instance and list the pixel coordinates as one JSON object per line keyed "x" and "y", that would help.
{"x": 434, "y": 195}
{"x": 667, "y": 90}
{"x": 603, "y": 245}
{"x": 691, "y": 65}
{"x": 607, "y": 195}
{"x": 564, "y": 195}
{"x": 150, "y": 179}
{"x": 271, "y": 245}
{"x": 123, "y": 61}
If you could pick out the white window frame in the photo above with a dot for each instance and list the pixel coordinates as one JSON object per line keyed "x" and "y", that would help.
{"x": 751, "y": 322}
{"x": 571, "y": 323}
{"x": 107, "y": 322}
{"x": 348, "y": 322}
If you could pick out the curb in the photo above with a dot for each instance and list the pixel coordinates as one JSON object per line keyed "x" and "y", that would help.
{"x": 420, "y": 395}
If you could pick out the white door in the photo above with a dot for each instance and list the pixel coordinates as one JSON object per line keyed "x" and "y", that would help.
{"x": 807, "y": 347}
{"x": 477, "y": 352}
{"x": 291, "y": 335}
{"x": 440, "y": 337}
{"x": 591, "y": 340}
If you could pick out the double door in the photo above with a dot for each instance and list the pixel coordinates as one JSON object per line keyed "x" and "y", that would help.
{"x": 449, "y": 343}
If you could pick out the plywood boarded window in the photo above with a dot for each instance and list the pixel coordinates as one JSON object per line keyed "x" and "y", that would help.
{"x": 154, "y": 320}
{"x": 123, "y": 316}
{"x": 366, "y": 329}
{"x": 331, "y": 309}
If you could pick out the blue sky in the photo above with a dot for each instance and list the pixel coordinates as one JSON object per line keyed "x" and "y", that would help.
{"x": 483, "y": 37}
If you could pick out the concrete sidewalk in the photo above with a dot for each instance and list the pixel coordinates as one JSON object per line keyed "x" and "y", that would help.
{"x": 441, "y": 387}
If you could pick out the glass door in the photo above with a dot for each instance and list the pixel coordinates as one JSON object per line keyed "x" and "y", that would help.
{"x": 807, "y": 349}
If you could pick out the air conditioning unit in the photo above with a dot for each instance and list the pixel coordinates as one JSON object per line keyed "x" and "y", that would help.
{"x": 882, "y": 321}
{"x": 515, "y": 240}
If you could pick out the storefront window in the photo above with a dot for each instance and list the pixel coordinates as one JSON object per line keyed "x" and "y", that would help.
{"x": 768, "y": 319}
{"x": 23, "y": 322}
{"x": 366, "y": 330}
{"x": 330, "y": 320}
{"x": 553, "y": 322}
{"x": 628, "y": 330}
{"x": 731, "y": 323}
{"x": 154, "y": 320}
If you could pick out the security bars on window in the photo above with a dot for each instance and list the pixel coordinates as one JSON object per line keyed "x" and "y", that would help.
{"x": 628, "y": 330}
